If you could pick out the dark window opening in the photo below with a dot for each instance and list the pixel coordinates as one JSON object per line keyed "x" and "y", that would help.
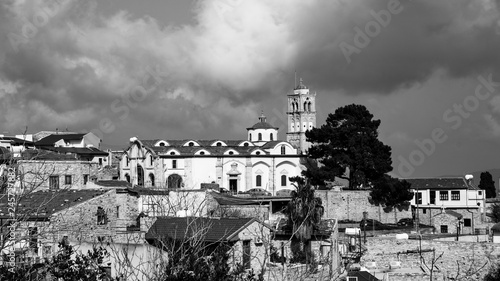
{"x": 271, "y": 136}
{"x": 246, "y": 254}
{"x": 162, "y": 144}
{"x": 140, "y": 175}
{"x": 191, "y": 144}
{"x": 127, "y": 178}
{"x": 283, "y": 150}
{"x": 67, "y": 179}
{"x": 257, "y": 153}
{"x": 102, "y": 218}
{"x": 258, "y": 180}
{"x": 260, "y": 136}
{"x": 443, "y": 195}
{"x": 246, "y": 144}
{"x": 455, "y": 195}
{"x": 467, "y": 222}
{"x": 85, "y": 179}
{"x": 419, "y": 197}
{"x": 174, "y": 164}
{"x": 444, "y": 229}
{"x": 54, "y": 182}
{"x": 219, "y": 144}
{"x": 172, "y": 153}
{"x": 283, "y": 180}
{"x": 152, "y": 179}
{"x": 33, "y": 238}
{"x": 231, "y": 153}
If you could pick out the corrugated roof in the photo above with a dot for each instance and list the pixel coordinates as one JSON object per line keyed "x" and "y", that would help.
{"x": 79, "y": 150}
{"x": 363, "y": 276}
{"x": 223, "y": 199}
{"x": 440, "y": 183}
{"x": 114, "y": 183}
{"x": 214, "y": 230}
{"x": 16, "y": 141}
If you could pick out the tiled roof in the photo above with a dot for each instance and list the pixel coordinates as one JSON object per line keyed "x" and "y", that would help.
{"x": 215, "y": 230}
{"x": 44, "y": 203}
{"x": 440, "y": 183}
{"x": 216, "y": 150}
{"x": 40, "y": 154}
{"x": 51, "y": 139}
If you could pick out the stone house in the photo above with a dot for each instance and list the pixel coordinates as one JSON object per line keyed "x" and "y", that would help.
{"x": 448, "y": 222}
{"x": 247, "y": 238}
{"x": 55, "y": 171}
{"x": 83, "y": 218}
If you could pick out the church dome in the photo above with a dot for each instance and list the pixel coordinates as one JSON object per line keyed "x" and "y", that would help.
{"x": 262, "y": 124}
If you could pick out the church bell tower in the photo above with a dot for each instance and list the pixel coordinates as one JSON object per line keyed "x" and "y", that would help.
{"x": 301, "y": 116}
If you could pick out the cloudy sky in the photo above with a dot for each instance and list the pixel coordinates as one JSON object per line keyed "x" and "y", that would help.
{"x": 189, "y": 69}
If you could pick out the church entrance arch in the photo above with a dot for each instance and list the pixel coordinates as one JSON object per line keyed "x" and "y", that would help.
{"x": 174, "y": 181}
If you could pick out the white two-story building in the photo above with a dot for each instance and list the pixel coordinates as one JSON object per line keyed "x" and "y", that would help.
{"x": 434, "y": 196}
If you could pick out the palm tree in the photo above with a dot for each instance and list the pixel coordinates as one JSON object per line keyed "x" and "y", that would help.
{"x": 304, "y": 213}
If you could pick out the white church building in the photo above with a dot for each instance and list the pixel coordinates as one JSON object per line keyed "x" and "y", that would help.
{"x": 260, "y": 161}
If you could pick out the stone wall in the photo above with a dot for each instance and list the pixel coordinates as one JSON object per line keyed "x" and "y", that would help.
{"x": 350, "y": 205}
{"x": 36, "y": 173}
{"x": 451, "y": 257}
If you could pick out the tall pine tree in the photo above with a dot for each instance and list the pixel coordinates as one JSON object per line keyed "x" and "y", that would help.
{"x": 488, "y": 184}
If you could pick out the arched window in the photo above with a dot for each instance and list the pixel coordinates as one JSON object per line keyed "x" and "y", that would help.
{"x": 245, "y": 144}
{"x": 191, "y": 144}
{"x": 174, "y": 181}
{"x": 309, "y": 106}
{"x": 151, "y": 160}
{"x": 283, "y": 180}
{"x": 127, "y": 178}
{"x": 271, "y": 136}
{"x": 258, "y": 180}
{"x": 305, "y": 106}
{"x": 283, "y": 150}
{"x": 250, "y": 137}
{"x": 152, "y": 179}
{"x": 172, "y": 153}
{"x": 202, "y": 153}
{"x": 219, "y": 144}
{"x": 162, "y": 144}
{"x": 297, "y": 106}
{"x": 231, "y": 153}
{"x": 257, "y": 153}
{"x": 140, "y": 175}
{"x": 260, "y": 136}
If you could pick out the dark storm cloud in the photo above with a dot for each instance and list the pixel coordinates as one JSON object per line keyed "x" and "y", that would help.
{"x": 82, "y": 71}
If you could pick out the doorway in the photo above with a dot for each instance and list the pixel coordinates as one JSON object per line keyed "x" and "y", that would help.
{"x": 233, "y": 185}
